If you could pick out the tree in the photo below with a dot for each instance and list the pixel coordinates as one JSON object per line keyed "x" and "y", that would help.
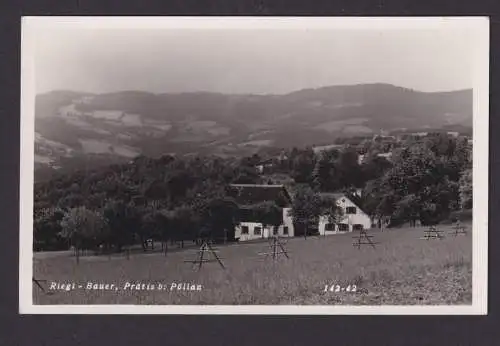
{"x": 123, "y": 220}
{"x": 151, "y": 227}
{"x": 330, "y": 209}
{"x": 349, "y": 171}
{"x": 303, "y": 163}
{"x": 268, "y": 213}
{"x": 219, "y": 217}
{"x": 246, "y": 175}
{"x": 326, "y": 173}
{"x": 374, "y": 167}
{"x": 47, "y": 229}
{"x": 84, "y": 228}
{"x": 335, "y": 170}
{"x": 251, "y": 161}
{"x": 422, "y": 184}
{"x": 182, "y": 223}
{"x": 179, "y": 184}
{"x": 378, "y": 200}
{"x": 71, "y": 200}
{"x": 308, "y": 206}
{"x": 165, "y": 225}
{"x": 466, "y": 189}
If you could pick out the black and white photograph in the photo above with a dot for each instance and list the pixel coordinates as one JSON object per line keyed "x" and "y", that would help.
{"x": 254, "y": 165}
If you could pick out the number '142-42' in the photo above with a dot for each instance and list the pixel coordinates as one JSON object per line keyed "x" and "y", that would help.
{"x": 338, "y": 288}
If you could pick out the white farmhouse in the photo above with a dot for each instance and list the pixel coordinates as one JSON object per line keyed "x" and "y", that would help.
{"x": 249, "y": 227}
{"x": 354, "y": 218}
{"x": 361, "y": 159}
{"x": 264, "y": 165}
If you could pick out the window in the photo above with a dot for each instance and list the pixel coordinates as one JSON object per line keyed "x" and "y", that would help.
{"x": 330, "y": 227}
{"x": 357, "y": 227}
{"x": 350, "y": 210}
{"x": 257, "y": 230}
{"x": 343, "y": 227}
{"x": 244, "y": 229}
{"x": 275, "y": 230}
{"x": 285, "y": 230}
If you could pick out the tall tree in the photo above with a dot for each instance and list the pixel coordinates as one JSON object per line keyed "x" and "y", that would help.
{"x": 124, "y": 221}
{"x": 219, "y": 217}
{"x": 84, "y": 228}
{"x": 349, "y": 171}
{"x": 151, "y": 227}
{"x": 269, "y": 214}
{"x": 166, "y": 227}
{"x": 308, "y": 206}
{"x": 183, "y": 223}
{"x": 422, "y": 184}
{"x": 303, "y": 163}
{"x": 326, "y": 171}
{"x": 47, "y": 229}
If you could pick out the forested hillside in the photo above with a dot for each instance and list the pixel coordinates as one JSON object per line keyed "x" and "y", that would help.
{"x": 76, "y": 129}
{"x": 182, "y": 197}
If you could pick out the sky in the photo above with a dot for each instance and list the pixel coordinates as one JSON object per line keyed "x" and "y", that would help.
{"x": 242, "y": 60}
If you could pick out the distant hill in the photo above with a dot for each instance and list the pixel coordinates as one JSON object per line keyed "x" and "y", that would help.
{"x": 73, "y": 126}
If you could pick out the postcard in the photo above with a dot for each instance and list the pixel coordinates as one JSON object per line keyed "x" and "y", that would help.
{"x": 254, "y": 165}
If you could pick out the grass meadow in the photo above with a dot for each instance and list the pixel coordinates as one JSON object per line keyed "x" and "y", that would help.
{"x": 402, "y": 270}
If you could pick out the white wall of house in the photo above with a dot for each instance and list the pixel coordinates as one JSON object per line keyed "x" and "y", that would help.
{"x": 240, "y": 230}
{"x": 288, "y": 222}
{"x": 349, "y": 220}
{"x": 246, "y": 231}
{"x": 361, "y": 159}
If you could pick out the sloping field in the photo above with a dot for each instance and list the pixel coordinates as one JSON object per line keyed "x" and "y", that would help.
{"x": 403, "y": 269}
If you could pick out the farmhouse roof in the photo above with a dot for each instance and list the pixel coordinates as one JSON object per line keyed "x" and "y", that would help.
{"x": 351, "y": 196}
{"x": 335, "y": 195}
{"x": 248, "y": 194}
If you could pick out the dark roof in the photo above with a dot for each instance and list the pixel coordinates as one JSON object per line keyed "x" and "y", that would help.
{"x": 335, "y": 195}
{"x": 355, "y": 198}
{"x": 248, "y": 194}
{"x": 247, "y": 214}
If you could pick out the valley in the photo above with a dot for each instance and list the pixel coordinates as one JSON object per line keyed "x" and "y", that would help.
{"x": 72, "y": 126}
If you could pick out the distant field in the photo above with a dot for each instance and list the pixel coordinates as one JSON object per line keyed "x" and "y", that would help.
{"x": 257, "y": 143}
{"x": 403, "y": 269}
{"x": 336, "y": 125}
{"x": 206, "y": 127}
{"x": 95, "y": 146}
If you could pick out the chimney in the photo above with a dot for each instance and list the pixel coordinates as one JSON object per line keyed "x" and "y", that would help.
{"x": 359, "y": 192}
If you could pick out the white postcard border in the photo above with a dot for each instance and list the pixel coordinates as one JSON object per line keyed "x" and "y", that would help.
{"x": 480, "y": 25}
